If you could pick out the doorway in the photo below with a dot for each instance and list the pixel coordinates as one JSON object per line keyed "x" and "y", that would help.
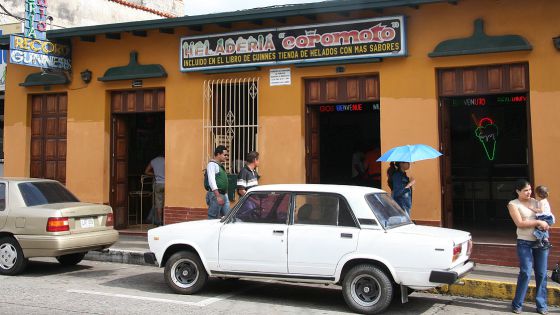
{"x": 484, "y": 132}
{"x": 489, "y": 152}
{"x": 347, "y": 132}
{"x": 342, "y": 130}
{"x": 137, "y": 136}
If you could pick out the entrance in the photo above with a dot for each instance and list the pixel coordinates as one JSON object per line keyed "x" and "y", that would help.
{"x": 484, "y": 133}
{"x": 489, "y": 152}
{"x": 138, "y": 136}
{"x": 342, "y": 130}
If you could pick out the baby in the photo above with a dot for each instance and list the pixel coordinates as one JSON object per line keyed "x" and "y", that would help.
{"x": 544, "y": 213}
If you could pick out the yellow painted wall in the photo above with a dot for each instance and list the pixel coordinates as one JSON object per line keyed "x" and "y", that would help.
{"x": 409, "y": 109}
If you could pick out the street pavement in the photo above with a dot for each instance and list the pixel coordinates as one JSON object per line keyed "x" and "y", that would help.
{"x": 94, "y": 287}
{"x": 486, "y": 281}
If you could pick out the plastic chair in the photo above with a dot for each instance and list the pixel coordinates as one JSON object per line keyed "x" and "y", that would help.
{"x": 140, "y": 194}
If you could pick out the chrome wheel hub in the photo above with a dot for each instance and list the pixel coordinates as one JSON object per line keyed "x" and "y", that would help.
{"x": 8, "y": 256}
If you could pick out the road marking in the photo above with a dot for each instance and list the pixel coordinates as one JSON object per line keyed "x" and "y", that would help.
{"x": 202, "y": 303}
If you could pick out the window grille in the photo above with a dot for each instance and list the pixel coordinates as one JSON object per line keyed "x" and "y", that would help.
{"x": 230, "y": 118}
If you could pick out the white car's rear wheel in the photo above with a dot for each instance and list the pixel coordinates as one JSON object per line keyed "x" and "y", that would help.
{"x": 185, "y": 273}
{"x": 367, "y": 289}
{"x": 12, "y": 260}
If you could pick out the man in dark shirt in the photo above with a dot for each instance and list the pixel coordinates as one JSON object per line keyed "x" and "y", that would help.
{"x": 248, "y": 177}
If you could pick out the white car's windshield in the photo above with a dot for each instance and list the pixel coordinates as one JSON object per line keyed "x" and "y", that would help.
{"x": 387, "y": 211}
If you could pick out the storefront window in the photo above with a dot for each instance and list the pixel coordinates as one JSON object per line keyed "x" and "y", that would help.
{"x": 489, "y": 151}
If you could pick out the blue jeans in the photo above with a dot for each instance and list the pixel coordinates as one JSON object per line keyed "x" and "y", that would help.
{"x": 540, "y": 234}
{"x": 215, "y": 211}
{"x": 536, "y": 259}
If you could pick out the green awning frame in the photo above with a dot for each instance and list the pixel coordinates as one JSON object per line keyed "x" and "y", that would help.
{"x": 44, "y": 79}
{"x": 134, "y": 71}
{"x": 338, "y": 62}
{"x": 480, "y": 43}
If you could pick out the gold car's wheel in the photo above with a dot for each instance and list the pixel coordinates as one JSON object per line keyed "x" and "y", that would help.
{"x": 185, "y": 273}
{"x": 12, "y": 260}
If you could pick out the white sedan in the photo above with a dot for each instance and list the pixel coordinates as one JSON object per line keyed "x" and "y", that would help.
{"x": 356, "y": 237}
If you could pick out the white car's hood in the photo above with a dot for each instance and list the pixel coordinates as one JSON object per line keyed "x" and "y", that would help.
{"x": 457, "y": 236}
{"x": 184, "y": 227}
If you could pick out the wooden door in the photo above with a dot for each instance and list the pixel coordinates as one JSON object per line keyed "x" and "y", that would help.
{"x": 48, "y": 136}
{"x": 119, "y": 170}
{"x": 445, "y": 160}
{"x": 313, "y": 145}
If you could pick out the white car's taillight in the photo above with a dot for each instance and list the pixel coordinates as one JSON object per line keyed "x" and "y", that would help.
{"x": 457, "y": 251}
{"x": 58, "y": 225}
{"x": 109, "y": 219}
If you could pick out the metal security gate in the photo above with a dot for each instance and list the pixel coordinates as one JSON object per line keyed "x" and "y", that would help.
{"x": 230, "y": 118}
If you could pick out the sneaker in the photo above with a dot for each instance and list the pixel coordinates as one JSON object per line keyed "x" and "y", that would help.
{"x": 516, "y": 310}
{"x": 544, "y": 312}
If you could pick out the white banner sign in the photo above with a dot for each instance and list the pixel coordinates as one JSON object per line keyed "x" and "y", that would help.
{"x": 280, "y": 77}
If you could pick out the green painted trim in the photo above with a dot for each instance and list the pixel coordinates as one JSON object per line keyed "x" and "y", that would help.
{"x": 41, "y": 78}
{"x": 133, "y": 71}
{"x": 274, "y": 12}
{"x": 480, "y": 43}
{"x": 338, "y": 62}
{"x": 230, "y": 70}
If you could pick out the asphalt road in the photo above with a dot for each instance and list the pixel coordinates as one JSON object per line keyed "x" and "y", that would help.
{"x": 111, "y": 288}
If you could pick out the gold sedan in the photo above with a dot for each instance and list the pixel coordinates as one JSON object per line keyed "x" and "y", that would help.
{"x": 41, "y": 218}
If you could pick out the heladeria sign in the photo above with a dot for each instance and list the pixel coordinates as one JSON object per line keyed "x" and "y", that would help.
{"x": 376, "y": 37}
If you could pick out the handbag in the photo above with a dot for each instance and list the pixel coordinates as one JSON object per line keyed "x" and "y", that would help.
{"x": 555, "y": 276}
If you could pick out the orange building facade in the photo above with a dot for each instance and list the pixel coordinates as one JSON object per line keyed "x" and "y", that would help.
{"x": 488, "y": 101}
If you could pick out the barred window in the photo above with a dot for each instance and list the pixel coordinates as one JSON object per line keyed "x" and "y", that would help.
{"x": 230, "y": 118}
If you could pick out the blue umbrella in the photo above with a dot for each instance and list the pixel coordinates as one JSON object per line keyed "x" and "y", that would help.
{"x": 409, "y": 153}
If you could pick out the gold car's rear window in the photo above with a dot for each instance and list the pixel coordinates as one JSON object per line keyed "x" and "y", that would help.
{"x": 42, "y": 193}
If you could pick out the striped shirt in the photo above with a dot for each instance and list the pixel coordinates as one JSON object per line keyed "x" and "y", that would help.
{"x": 247, "y": 178}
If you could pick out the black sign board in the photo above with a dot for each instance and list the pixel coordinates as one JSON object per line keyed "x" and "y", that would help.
{"x": 377, "y": 37}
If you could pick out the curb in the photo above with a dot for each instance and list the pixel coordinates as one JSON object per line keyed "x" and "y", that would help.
{"x": 489, "y": 289}
{"x": 122, "y": 256}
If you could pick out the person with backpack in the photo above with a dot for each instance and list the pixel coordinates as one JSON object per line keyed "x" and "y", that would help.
{"x": 216, "y": 184}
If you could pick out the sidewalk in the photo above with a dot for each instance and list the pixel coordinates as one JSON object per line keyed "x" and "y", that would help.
{"x": 486, "y": 281}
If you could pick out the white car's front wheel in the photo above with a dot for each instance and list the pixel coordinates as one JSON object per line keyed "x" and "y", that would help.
{"x": 185, "y": 273}
{"x": 367, "y": 289}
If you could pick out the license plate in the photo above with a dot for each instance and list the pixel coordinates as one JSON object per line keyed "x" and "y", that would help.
{"x": 87, "y": 223}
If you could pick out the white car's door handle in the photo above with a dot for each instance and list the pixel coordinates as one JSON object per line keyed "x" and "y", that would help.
{"x": 346, "y": 235}
{"x": 279, "y": 232}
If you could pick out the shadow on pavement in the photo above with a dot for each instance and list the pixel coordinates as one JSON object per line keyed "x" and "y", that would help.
{"x": 310, "y": 296}
{"x": 47, "y": 268}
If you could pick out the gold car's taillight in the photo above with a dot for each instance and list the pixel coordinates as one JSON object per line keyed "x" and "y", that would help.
{"x": 456, "y": 252}
{"x": 58, "y": 225}
{"x": 109, "y": 219}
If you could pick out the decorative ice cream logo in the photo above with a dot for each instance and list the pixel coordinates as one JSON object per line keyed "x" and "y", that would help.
{"x": 487, "y": 134}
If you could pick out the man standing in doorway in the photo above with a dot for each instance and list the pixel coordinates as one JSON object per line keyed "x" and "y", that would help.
{"x": 373, "y": 168}
{"x": 217, "y": 197}
{"x": 156, "y": 168}
{"x": 248, "y": 177}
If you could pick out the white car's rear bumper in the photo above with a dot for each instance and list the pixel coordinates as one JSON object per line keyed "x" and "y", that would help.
{"x": 451, "y": 276}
